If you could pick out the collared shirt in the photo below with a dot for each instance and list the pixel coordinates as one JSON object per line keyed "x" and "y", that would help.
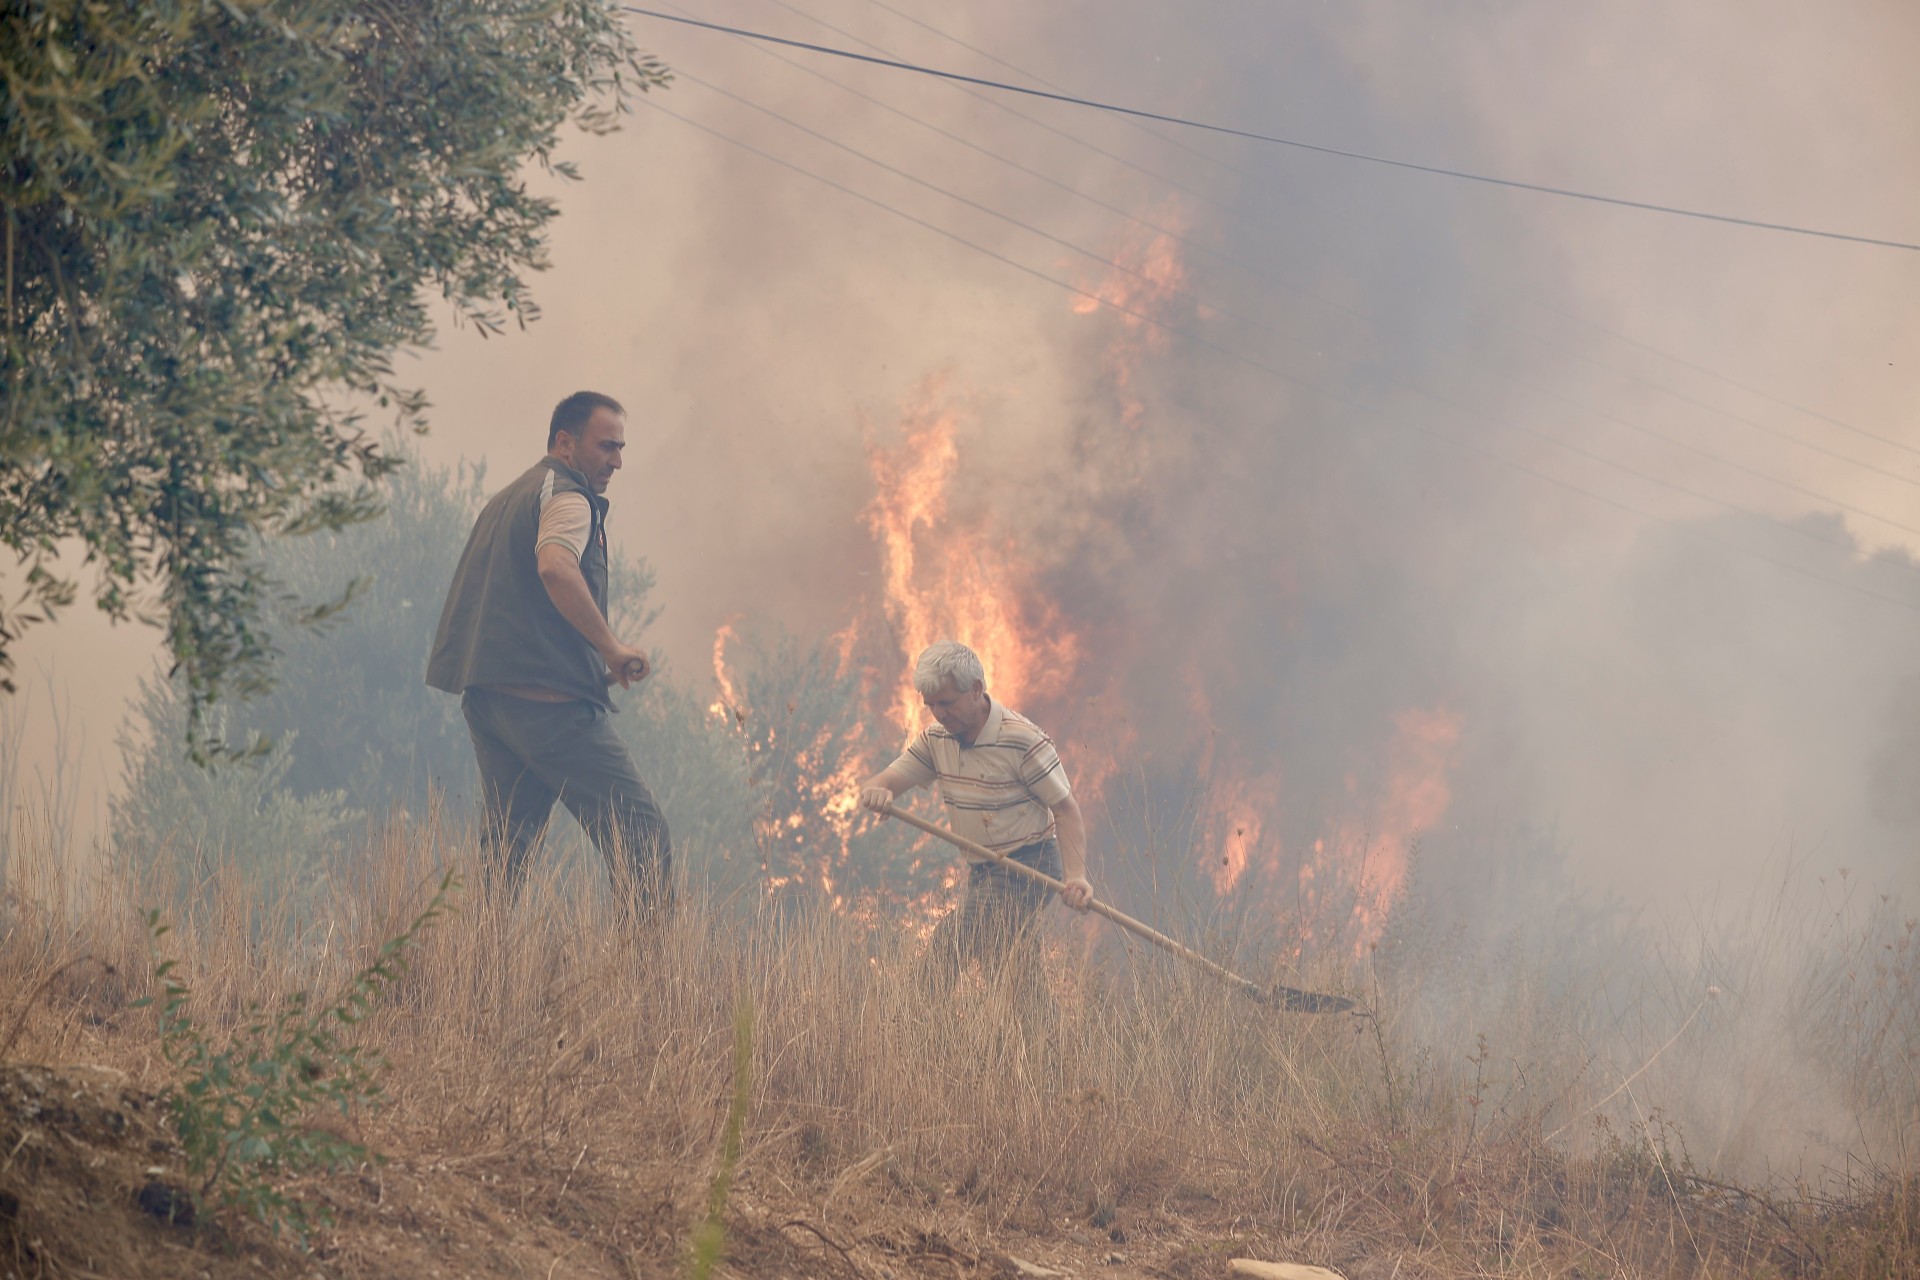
{"x": 999, "y": 792}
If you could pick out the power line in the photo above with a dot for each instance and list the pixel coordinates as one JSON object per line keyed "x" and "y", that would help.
{"x": 1437, "y": 170}
{"x": 1197, "y": 246}
{"x": 1668, "y": 356}
{"x": 1778, "y": 434}
{"x": 1018, "y": 70}
{"x": 1198, "y": 301}
{"x": 998, "y": 105}
{"x": 1892, "y": 555}
{"x": 1111, "y": 264}
{"x": 1549, "y": 438}
{"x": 1331, "y": 396}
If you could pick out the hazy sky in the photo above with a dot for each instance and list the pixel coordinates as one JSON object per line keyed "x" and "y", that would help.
{"x": 1579, "y": 473}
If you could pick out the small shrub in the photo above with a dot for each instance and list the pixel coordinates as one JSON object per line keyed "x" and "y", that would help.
{"x": 239, "y": 1108}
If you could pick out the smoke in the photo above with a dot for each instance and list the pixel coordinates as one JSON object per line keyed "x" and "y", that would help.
{"x": 1378, "y": 462}
{"x": 1405, "y": 446}
{"x": 1388, "y": 529}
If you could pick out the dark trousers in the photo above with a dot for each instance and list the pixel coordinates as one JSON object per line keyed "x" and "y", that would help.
{"x": 997, "y": 922}
{"x": 533, "y": 753}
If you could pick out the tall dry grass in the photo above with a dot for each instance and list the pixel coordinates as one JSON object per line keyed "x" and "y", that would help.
{"x": 1484, "y": 1120}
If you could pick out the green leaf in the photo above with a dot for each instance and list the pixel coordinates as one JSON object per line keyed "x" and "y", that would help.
{"x": 212, "y": 239}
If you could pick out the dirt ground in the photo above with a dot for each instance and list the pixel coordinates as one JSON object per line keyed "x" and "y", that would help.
{"x": 92, "y": 1184}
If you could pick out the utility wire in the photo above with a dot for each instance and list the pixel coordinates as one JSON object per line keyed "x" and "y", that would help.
{"x": 1893, "y": 555}
{"x": 1333, "y": 397}
{"x": 1198, "y": 302}
{"x": 1111, "y": 264}
{"x": 1668, "y": 356}
{"x": 1697, "y": 451}
{"x": 1462, "y": 174}
{"x": 998, "y": 61}
{"x": 1718, "y": 411}
{"x": 1035, "y": 121}
{"x": 1529, "y": 335}
{"x": 1284, "y": 336}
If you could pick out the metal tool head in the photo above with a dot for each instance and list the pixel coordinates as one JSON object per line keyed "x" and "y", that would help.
{"x": 1295, "y": 1000}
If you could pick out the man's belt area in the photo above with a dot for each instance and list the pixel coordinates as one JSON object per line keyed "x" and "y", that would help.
{"x": 530, "y": 692}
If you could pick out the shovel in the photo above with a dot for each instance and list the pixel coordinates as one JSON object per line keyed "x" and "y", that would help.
{"x": 1275, "y": 997}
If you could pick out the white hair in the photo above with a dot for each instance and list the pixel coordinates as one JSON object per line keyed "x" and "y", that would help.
{"x": 947, "y": 662}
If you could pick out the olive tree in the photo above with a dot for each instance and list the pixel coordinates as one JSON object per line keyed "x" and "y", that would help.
{"x": 219, "y": 221}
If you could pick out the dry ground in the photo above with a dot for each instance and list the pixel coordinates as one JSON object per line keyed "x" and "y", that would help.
{"x": 558, "y": 1085}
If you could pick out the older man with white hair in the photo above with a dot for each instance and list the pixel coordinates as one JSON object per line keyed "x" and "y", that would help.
{"x": 1004, "y": 787}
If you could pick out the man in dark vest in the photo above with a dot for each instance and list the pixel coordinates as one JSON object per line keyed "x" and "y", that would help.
{"x": 524, "y": 640}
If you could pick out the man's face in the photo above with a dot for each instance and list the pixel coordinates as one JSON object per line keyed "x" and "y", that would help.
{"x": 961, "y": 713}
{"x": 596, "y": 451}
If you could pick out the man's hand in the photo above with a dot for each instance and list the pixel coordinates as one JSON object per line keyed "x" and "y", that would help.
{"x": 1078, "y": 894}
{"x": 560, "y": 575}
{"x": 876, "y": 799}
{"x": 1073, "y": 854}
{"x": 626, "y": 665}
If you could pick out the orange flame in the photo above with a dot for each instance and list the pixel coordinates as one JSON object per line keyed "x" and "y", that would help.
{"x": 950, "y": 569}
{"x": 1242, "y": 836}
{"x": 1146, "y": 275}
{"x": 1141, "y": 289}
{"x": 728, "y": 703}
{"x": 1417, "y": 798}
{"x": 1374, "y": 851}
{"x": 946, "y": 576}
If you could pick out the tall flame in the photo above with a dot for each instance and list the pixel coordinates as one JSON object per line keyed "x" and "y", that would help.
{"x": 1236, "y": 837}
{"x": 1355, "y": 876}
{"x": 952, "y": 566}
{"x": 947, "y": 576}
{"x": 728, "y": 703}
{"x": 1140, "y": 291}
{"x": 1417, "y": 796}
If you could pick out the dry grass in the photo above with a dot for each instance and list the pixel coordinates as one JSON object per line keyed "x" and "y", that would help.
{"x": 559, "y": 1080}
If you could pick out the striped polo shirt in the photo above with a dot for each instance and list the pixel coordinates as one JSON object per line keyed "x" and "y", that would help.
{"x": 1001, "y": 790}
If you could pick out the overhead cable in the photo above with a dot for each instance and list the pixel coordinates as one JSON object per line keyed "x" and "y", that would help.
{"x": 1470, "y": 445}
{"x": 1425, "y": 393}
{"x": 1291, "y": 286}
{"x": 1715, "y": 374}
{"x": 1437, "y": 170}
{"x": 997, "y": 104}
{"x": 1017, "y": 69}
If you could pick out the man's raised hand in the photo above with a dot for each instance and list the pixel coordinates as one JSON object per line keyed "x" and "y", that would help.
{"x": 876, "y": 799}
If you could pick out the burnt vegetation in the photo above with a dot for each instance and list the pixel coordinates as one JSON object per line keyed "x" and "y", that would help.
{"x": 1570, "y": 1097}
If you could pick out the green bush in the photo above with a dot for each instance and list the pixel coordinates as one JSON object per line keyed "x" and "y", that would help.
{"x": 178, "y": 822}
{"x": 351, "y": 733}
{"x": 240, "y": 1105}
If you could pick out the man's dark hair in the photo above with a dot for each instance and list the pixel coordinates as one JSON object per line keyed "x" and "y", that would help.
{"x": 571, "y": 414}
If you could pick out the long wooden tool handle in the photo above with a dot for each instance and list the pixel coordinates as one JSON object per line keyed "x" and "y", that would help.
{"x": 1119, "y": 917}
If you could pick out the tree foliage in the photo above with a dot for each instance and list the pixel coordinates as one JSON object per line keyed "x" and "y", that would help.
{"x": 219, "y": 220}
{"x": 351, "y": 734}
{"x": 349, "y": 729}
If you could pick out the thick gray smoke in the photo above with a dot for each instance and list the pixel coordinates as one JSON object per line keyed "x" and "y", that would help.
{"x": 1598, "y": 521}
{"x": 1389, "y": 463}
{"x": 1418, "y": 444}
